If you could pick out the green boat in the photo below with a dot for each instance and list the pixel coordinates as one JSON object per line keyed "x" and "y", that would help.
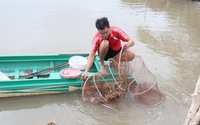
{"x": 17, "y": 68}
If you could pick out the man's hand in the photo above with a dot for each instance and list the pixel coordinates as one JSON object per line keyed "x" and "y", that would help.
{"x": 129, "y": 43}
{"x": 126, "y": 46}
{"x": 84, "y": 76}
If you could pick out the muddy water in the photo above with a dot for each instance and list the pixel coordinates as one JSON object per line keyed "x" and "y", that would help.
{"x": 166, "y": 33}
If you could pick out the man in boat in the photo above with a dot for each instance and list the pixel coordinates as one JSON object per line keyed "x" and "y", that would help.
{"x": 107, "y": 41}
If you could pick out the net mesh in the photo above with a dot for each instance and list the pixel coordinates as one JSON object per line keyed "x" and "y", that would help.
{"x": 99, "y": 89}
{"x": 146, "y": 90}
{"x": 132, "y": 76}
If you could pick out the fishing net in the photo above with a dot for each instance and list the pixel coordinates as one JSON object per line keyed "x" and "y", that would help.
{"x": 132, "y": 76}
{"x": 145, "y": 88}
{"x": 103, "y": 89}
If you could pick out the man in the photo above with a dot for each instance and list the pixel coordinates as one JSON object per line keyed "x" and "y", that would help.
{"x": 107, "y": 41}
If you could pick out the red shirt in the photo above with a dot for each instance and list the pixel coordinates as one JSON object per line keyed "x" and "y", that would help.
{"x": 115, "y": 37}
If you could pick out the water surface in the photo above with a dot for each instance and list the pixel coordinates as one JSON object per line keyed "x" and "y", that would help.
{"x": 166, "y": 33}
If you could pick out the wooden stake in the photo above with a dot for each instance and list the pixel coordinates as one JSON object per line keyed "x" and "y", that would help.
{"x": 193, "y": 116}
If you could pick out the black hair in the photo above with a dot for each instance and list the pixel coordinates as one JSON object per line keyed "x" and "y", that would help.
{"x": 102, "y": 23}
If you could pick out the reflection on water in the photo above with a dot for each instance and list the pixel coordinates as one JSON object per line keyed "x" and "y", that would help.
{"x": 166, "y": 33}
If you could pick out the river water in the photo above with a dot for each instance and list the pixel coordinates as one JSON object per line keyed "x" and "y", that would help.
{"x": 166, "y": 33}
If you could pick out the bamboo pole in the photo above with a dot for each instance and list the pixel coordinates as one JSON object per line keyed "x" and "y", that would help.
{"x": 193, "y": 116}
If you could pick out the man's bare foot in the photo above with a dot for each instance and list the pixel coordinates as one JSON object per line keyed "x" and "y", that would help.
{"x": 103, "y": 71}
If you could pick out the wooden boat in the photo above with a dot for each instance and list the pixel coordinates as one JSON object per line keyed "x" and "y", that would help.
{"x": 17, "y": 68}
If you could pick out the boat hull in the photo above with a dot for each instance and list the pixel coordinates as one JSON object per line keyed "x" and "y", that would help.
{"x": 16, "y": 68}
